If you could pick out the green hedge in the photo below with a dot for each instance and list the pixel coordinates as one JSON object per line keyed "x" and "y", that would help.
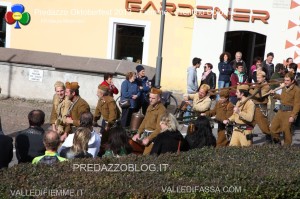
{"x": 255, "y": 172}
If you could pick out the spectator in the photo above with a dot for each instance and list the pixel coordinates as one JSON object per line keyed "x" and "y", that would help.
{"x": 288, "y": 62}
{"x": 108, "y": 81}
{"x": 129, "y": 91}
{"x": 269, "y": 66}
{"x": 293, "y": 68}
{"x": 225, "y": 70}
{"x": 51, "y": 141}
{"x": 170, "y": 139}
{"x": 86, "y": 120}
{"x": 192, "y": 81}
{"x": 79, "y": 149}
{"x": 278, "y": 74}
{"x": 256, "y": 62}
{"x": 258, "y": 69}
{"x": 200, "y": 135}
{"x": 6, "y": 150}
{"x": 238, "y": 59}
{"x": 144, "y": 86}
{"x": 209, "y": 77}
{"x": 29, "y": 142}
{"x": 238, "y": 77}
{"x": 1, "y": 132}
{"x": 118, "y": 143}
{"x": 297, "y": 78}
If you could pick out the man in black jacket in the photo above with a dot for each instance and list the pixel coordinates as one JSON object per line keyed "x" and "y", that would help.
{"x": 268, "y": 65}
{"x": 6, "y": 150}
{"x": 29, "y": 142}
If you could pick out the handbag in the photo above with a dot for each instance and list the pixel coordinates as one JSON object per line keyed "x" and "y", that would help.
{"x": 124, "y": 103}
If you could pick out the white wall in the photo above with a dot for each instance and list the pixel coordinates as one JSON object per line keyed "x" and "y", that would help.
{"x": 15, "y": 82}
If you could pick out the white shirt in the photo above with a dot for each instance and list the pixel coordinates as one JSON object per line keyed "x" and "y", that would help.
{"x": 94, "y": 143}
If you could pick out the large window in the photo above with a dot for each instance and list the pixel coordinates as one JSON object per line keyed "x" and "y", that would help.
{"x": 128, "y": 39}
{"x": 129, "y": 42}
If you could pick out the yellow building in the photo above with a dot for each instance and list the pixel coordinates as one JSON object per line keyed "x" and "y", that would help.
{"x": 106, "y": 29}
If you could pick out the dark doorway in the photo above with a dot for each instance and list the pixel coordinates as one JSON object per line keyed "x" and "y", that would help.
{"x": 251, "y": 44}
{"x": 129, "y": 42}
{"x": 2, "y": 26}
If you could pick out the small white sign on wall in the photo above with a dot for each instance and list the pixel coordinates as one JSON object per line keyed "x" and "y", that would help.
{"x": 36, "y": 75}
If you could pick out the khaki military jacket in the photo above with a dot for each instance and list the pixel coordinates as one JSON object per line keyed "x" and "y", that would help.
{"x": 151, "y": 121}
{"x": 108, "y": 109}
{"x": 291, "y": 97}
{"x": 79, "y": 107}
{"x": 59, "y": 109}
{"x": 258, "y": 99}
{"x": 222, "y": 111}
{"x": 246, "y": 114}
{"x": 200, "y": 105}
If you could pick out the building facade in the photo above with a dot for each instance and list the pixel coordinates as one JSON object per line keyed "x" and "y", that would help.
{"x": 129, "y": 29}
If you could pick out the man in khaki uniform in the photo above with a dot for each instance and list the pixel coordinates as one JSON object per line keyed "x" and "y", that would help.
{"x": 222, "y": 110}
{"x": 107, "y": 108}
{"x": 59, "y": 110}
{"x": 150, "y": 126}
{"x": 261, "y": 105}
{"x": 201, "y": 101}
{"x": 78, "y": 105}
{"x": 243, "y": 114}
{"x": 289, "y": 108}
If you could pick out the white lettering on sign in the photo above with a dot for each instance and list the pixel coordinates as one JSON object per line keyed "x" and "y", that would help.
{"x": 36, "y": 75}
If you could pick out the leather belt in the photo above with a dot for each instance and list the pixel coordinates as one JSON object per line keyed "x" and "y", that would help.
{"x": 283, "y": 107}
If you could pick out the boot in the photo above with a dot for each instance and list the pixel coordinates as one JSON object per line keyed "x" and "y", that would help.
{"x": 277, "y": 142}
{"x": 269, "y": 139}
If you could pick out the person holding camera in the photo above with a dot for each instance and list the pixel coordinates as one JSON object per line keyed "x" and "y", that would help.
{"x": 243, "y": 115}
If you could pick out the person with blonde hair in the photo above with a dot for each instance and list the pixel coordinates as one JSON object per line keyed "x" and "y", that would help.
{"x": 201, "y": 100}
{"x": 170, "y": 139}
{"x": 80, "y": 145}
{"x": 60, "y": 107}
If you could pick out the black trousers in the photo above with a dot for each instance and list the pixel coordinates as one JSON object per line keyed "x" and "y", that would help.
{"x": 126, "y": 116}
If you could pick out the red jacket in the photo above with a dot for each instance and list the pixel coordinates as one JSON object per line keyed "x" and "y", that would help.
{"x": 112, "y": 88}
{"x": 234, "y": 80}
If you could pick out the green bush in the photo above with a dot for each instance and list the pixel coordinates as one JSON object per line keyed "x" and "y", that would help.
{"x": 254, "y": 172}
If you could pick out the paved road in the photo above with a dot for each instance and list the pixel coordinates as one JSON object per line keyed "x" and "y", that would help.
{"x": 14, "y": 113}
